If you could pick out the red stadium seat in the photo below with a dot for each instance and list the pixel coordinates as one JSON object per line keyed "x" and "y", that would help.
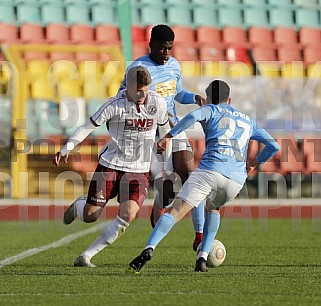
{"x": 139, "y": 50}
{"x": 260, "y": 36}
{"x": 57, "y": 56}
{"x": 184, "y": 35}
{"x": 286, "y": 36}
{"x": 238, "y": 54}
{"x": 208, "y": 36}
{"x": 138, "y": 34}
{"x": 32, "y": 33}
{"x": 211, "y": 53}
{"x": 107, "y": 34}
{"x": 8, "y": 33}
{"x": 57, "y": 33}
{"x": 85, "y": 56}
{"x": 264, "y": 53}
{"x": 289, "y": 54}
{"x": 82, "y": 34}
{"x": 310, "y": 37}
{"x": 311, "y": 55}
{"x": 185, "y": 53}
{"x": 234, "y": 36}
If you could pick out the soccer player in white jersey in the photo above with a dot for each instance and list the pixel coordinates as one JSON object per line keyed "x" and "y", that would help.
{"x": 132, "y": 117}
{"x": 166, "y": 80}
{"x": 221, "y": 172}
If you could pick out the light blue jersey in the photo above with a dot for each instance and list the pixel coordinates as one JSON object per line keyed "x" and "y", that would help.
{"x": 166, "y": 81}
{"x": 227, "y": 134}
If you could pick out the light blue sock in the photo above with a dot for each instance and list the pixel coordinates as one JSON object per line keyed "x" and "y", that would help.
{"x": 161, "y": 229}
{"x": 198, "y": 217}
{"x": 212, "y": 223}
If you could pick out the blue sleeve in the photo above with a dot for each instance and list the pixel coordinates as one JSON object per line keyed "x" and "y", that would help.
{"x": 201, "y": 114}
{"x": 185, "y": 97}
{"x": 271, "y": 146}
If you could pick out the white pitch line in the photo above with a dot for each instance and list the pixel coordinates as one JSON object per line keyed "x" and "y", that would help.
{"x": 59, "y": 243}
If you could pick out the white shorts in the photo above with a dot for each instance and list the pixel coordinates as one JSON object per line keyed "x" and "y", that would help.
{"x": 161, "y": 163}
{"x": 210, "y": 185}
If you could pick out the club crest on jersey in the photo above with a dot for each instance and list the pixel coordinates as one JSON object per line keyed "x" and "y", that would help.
{"x": 151, "y": 109}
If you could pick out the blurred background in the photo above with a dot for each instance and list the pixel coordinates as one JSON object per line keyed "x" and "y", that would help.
{"x": 61, "y": 59}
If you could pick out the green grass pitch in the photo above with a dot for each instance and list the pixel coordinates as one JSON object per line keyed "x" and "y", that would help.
{"x": 269, "y": 262}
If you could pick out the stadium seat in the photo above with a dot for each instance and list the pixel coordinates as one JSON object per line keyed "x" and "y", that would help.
{"x": 37, "y": 68}
{"x": 265, "y": 59}
{"x": 52, "y": 13}
{"x": 57, "y": 33}
{"x": 152, "y": 15}
{"x": 281, "y": 17}
{"x": 230, "y": 16}
{"x": 184, "y": 35}
{"x": 86, "y": 56}
{"x": 261, "y": 36}
{"x": 307, "y": 18}
{"x": 254, "y": 3}
{"x": 34, "y": 55}
{"x": 8, "y": 33}
{"x": 28, "y": 13}
{"x": 205, "y": 16}
{"x": 139, "y": 50}
{"x": 280, "y": 3}
{"x": 238, "y": 54}
{"x": 107, "y": 34}
{"x": 234, "y": 36}
{"x": 293, "y": 65}
{"x": 208, "y": 36}
{"x": 41, "y": 89}
{"x": 178, "y": 15}
{"x": 289, "y": 54}
{"x": 103, "y": 14}
{"x": 32, "y": 33}
{"x": 7, "y": 13}
{"x": 77, "y": 14}
{"x": 230, "y": 3}
{"x": 286, "y": 37}
{"x": 255, "y": 16}
{"x": 211, "y": 53}
{"x": 311, "y": 55}
{"x": 138, "y": 34}
{"x": 310, "y": 36}
{"x": 57, "y": 56}
{"x": 306, "y": 3}
{"x": 82, "y": 34}
{"x": 185, "y": 53}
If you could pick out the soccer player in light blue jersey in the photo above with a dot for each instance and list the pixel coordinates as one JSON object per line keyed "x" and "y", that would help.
{"x": 221, "y": 173}
{"x": 166, "y": 80}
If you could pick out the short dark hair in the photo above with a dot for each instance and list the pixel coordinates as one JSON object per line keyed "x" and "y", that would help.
{"x": 138, "y": 75}
{"x": 162, "y": 32}
{"x": 218, "y": 91}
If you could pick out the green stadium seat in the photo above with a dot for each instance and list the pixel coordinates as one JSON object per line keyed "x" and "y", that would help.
{"x": 280, "y": 3}
{"x": 52, "y": 13}
{"x": 254, "y": 16}
{"x": 204, "y": 3}
{"x": 51, "y": 2}
{"x": 306, "y": 3}
{"x": 176, "y": 3}
{"x": 7, "y": 13}
{"x": 205, "y": 16}
{"x": 229, "y": 16}
{"x": 103, "y": 14}
{"x": 77, "y": 13}
{"x": 255, "y": 3}
{"x": 281, "y": 17}
{"x": 307, "y": 18}
{"x": 152, "y": 15}
{"x": 230, "y": 3}
{"x": 177, "y": 15}
{"x": 28, "y": 13}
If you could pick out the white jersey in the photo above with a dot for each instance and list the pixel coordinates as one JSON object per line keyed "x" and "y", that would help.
{"x": 132, "y": 130}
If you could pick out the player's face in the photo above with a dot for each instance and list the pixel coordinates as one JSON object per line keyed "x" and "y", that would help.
{"x": 137, "y": 94}
{"x": 160, "y": 51}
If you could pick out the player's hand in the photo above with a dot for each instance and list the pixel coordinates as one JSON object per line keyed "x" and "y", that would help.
{"x": 162, "y": 145}
{"x": 251, "y": 165}
{"x": 200, "y": 100}
{"x": 57, "y": 158}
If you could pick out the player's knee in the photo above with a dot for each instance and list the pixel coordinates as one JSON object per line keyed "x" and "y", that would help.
{"x": 90, "y": 217}
{"x": 128, "y": 216}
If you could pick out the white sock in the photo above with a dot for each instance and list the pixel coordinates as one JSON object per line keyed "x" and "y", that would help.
{"x": 80, "y": 204}
{"x": 109, "y": 234}
{"x": 202, "y": 254}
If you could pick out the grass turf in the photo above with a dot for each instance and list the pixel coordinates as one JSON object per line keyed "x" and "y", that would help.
{"x": 268, "y": 262}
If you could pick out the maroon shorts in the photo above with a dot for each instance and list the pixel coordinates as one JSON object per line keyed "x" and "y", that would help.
{"x": 108, "y": 183}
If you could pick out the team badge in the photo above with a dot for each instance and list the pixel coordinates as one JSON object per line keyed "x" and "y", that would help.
{"x": 151, "y": 109}
{"x": 100, "y": 197}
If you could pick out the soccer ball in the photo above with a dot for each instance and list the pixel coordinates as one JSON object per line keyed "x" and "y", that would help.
{"x": 217, "y": 254}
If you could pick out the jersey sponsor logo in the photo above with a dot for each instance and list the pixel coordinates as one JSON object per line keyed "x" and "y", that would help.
{"x": 166, "y": 89}
{"x": 140, "y": 125}
{"x": 151, "y": 109}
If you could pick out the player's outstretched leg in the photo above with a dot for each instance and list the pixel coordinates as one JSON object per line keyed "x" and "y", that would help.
{"x": 139, "y": 261}
{"x": 198, "y": 217}
{"x": 200, "y": 265}
{"x": 71, "y": 212}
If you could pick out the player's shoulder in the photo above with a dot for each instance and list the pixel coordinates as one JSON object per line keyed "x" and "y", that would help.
{"x": 116, "y": 100}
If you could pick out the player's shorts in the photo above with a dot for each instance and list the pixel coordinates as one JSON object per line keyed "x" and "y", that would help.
{"x": 210, "y": 185}
{"x": 164, "y": 162}
{"x": 108, "y": 183}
